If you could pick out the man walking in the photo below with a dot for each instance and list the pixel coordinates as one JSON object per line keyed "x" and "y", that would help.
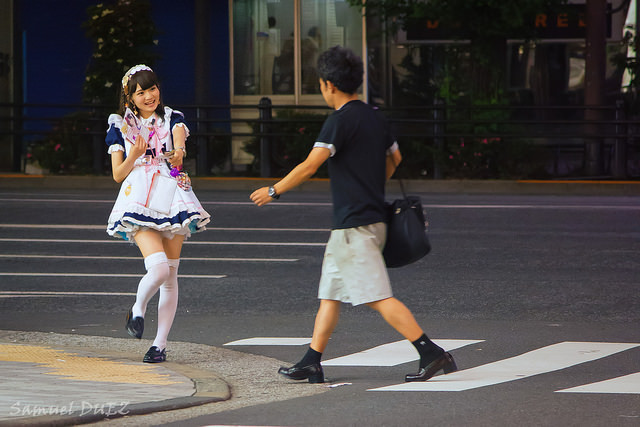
{"x": 362, "y": 155}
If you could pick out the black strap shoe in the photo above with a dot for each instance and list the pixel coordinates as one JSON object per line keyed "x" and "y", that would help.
{"x": 135, "y": 325}
{"x": 444, "y": 362}
{"x": 312, "y": 372}
{"x": 155, "y": 355}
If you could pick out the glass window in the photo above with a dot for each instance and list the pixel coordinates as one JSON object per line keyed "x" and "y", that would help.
{"x": 324, "y": 24}
{"x": 264, "y": 42}
{"x": 263, "y": 46}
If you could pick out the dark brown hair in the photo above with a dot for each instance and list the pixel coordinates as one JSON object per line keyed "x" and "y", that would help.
{"x": 145, "y": 79}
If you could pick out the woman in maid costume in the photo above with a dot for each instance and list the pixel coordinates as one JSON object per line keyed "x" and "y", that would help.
{"x": 155, "y": 207}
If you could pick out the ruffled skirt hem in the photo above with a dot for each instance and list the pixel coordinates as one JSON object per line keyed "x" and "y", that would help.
{"x": 183, "y": 223}
{"x": 130, "y": 214}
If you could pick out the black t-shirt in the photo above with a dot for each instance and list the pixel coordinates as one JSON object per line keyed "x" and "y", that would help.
{"x": 359, "y": 138}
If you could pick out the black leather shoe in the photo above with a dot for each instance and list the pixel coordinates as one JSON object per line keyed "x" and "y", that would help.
{"x": 155, "y": 355}
{"x": 444, "y": 362}
{"x": 312, "y": 372}
{"x": 135, "y": 325}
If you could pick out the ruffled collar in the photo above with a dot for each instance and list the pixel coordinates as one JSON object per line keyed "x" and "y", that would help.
{"x": 116, "y": 119}
{"x": 150, "y": 121}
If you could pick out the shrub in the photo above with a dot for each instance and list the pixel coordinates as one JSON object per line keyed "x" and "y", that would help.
{"x": 292, "y": 135}
{"x": 67, "y": 148}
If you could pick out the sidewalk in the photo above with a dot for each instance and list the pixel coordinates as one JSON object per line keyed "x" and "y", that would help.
{"x": 60, "y": 385}
{"x": 57, "y": 380}
{"x": 524, "y": 187}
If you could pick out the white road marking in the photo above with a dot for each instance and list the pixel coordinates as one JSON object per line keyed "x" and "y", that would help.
{"x": 392, "y": 354}
{"x": 34, "y": 294}
{"x": 188, "y": 242}
{"x": 328, "y": 204}
{"x": 91, "y": 201}
{"x": 102, "y": 257}
{"x": 185, "y": 276}
{"x": 628, "y": 384}
{"x": 271, "y": 341}
{"x": 536, "y": 362}
{"x": 104, "y": 227}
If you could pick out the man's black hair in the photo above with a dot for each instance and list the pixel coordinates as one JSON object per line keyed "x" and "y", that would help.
{"x": 342, "y": 67}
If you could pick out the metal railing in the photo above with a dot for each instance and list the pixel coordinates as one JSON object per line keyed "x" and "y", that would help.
{"x": 607, "y": 137}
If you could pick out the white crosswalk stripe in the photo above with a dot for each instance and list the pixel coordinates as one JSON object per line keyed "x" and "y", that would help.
{"x": 392, "y": 354}
{"x": 628, "y": 384}
{"x": 536, "y": 362}
{"x": 270, "y": 341}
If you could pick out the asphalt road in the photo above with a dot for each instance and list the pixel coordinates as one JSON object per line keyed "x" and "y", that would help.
{"x": 538, "y": 293}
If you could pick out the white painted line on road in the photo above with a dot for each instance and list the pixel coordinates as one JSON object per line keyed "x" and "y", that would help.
{"x": 628, "y": 384}
{"x": 185, "y": 276}
{"x": 586, "y": 207}
{"x": 56, "y": 226}
{"x": 193, "y": 242}
{"x": 6, "y": 199}
{"x": 536, "y": 362}
{"x": 271, "y": 341}
{"x": 104, "y": 227}
{"x": 31, "y": 294}
{"x": 132, "y": 258}
{"x": 392, "y": 354}
{"x": 189, "y": 242}
{"x": 89, "y": 201}
{"x": 286, "y": 204}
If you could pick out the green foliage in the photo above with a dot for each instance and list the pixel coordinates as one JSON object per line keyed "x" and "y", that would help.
{"x": 417, "y": 159}
{"x": 292, "y": 135}
{"x": 492, "y": 158}
{"x": 487, "y": 24}
{"x": 123, "y": 34}
{"x": 477, "y": 20}
{"x": 482, "y": 151}
{"x": 630, "y": 64}
{"x": 67, "y": 148}
{"x": 218, "y": 151}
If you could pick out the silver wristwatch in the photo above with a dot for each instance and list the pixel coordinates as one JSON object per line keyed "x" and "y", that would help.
{"x": 273, "y": 194}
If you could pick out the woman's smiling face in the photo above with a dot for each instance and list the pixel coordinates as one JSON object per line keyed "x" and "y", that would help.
{"x": 146, "y": 100}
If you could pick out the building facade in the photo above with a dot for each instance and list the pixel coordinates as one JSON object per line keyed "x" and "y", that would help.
{"x": 223, "y": 52}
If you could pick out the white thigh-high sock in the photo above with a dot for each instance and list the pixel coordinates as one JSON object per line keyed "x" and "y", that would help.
{"x": 157, "y": 273}
{"x": 167, "y": 305}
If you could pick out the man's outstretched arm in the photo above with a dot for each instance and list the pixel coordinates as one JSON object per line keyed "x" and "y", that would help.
{"x": 297, "y": 176}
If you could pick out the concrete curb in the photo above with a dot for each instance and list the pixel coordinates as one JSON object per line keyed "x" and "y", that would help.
{"x": 523, "y": 187}
{"x": 210, "y": 388}
{"x": 224, "y": 379}
{"x": 78, "y": 418}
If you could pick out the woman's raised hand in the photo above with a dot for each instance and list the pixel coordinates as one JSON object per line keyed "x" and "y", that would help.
{"x": 138, "y": 148}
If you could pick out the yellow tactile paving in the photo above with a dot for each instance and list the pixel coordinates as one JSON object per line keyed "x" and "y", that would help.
{"x": 83, "y": 368}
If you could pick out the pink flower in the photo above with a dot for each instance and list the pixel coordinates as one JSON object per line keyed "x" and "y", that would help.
{"x": 484, "y": 141}
{"x": 29, "y": 155}
{"x": 57, "y": 147}
{"x": 451, "y": 156}
{"x": 301, "y": 130}
{"x": 462, "y": 144}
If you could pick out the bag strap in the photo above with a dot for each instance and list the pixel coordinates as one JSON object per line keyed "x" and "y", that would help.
{"x": 404, "y": 194}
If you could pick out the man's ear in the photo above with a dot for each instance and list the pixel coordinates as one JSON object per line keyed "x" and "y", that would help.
{"x": 330, "y": 86}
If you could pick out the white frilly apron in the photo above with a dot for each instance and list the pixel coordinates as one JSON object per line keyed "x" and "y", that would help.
{"x": 129, "y": 213}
